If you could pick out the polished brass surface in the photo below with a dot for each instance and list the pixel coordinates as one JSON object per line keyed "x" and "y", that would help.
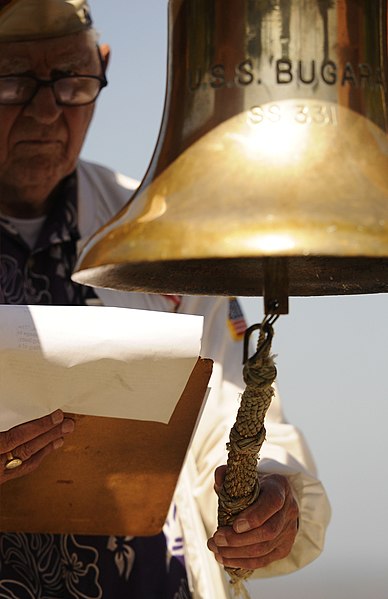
{"x": 273, "y": 144}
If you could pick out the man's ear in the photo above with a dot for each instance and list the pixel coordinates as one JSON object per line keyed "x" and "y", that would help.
{"x": 105, "y": 53}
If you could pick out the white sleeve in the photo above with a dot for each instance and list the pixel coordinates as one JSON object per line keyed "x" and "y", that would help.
{"x": 284, "y": 451}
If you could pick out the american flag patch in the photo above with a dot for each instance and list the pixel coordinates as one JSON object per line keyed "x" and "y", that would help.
{"x": 236, "y": 321}
{"x": 175, "y": 299}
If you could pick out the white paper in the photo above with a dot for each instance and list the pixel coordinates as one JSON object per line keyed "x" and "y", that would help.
{"x": 94, "y": 360}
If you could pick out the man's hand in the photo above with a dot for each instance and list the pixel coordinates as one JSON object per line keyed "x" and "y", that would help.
{"x": 32, "y": 442}
{"x": 262, "y": 533}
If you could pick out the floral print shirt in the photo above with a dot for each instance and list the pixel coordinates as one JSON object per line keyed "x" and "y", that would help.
{"x": 47, "y": 566}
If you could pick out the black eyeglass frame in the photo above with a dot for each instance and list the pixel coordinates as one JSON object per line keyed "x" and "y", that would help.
{"x": 51, "y": 83}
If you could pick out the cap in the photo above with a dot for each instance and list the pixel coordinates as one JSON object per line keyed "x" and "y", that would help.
{"x": 24, "y": 20}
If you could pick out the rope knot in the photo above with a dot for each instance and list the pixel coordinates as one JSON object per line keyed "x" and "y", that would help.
{"x": 259, "y": 373}
{"x": 246, "y": 445}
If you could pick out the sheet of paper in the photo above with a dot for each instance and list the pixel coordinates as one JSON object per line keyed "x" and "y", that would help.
{"x": 94, "y": 360}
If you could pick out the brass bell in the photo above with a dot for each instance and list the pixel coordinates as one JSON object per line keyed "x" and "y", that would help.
{"x": 270, "y": 175}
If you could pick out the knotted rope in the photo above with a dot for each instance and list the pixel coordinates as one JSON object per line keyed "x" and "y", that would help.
{"x": 241, "y": 484}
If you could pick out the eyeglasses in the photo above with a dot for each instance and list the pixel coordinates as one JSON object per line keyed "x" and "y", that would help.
{"x": 68, "y": 90}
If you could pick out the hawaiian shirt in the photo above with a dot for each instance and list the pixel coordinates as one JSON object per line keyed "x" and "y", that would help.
{"x": 46, "y": 566}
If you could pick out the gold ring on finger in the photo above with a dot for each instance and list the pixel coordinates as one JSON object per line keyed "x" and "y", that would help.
{"x": 12, "y": 462}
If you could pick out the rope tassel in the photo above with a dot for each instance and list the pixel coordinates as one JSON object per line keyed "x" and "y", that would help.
{"x": 241, "y": 484}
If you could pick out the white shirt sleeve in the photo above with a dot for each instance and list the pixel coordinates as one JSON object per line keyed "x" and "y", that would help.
{"x": 284, "y": 451}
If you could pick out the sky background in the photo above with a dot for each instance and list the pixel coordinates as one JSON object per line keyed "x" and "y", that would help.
{"x": 331, "y": 352}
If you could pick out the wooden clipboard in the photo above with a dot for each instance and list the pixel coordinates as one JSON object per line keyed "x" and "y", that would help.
{"x": 112, "y": 476}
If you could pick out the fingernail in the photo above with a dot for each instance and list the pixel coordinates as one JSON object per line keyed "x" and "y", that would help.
{"x": 241, "y": 525}
{"x": 57, "y": 416}
{"x": 58, "y": 443}
{"x": 220, "y": 539}
{"x": 68, "y": 425}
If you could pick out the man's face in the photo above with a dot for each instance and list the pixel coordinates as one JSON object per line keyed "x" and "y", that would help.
{"x": 40, "y": 142}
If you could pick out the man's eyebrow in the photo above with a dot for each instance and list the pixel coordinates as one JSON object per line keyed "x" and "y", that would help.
{"x": 72, "y": 63}
{"x": 14, "y": 64}
{"x": 64, "y": 62}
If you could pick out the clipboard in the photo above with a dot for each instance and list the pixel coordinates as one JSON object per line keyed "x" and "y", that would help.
{"x": 112, "y": 476}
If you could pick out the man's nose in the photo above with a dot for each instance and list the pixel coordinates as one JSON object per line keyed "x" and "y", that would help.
{"x": 43, "y": 106}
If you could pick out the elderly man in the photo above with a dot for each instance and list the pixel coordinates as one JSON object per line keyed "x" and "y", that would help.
{"x": 51, "y": 73}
